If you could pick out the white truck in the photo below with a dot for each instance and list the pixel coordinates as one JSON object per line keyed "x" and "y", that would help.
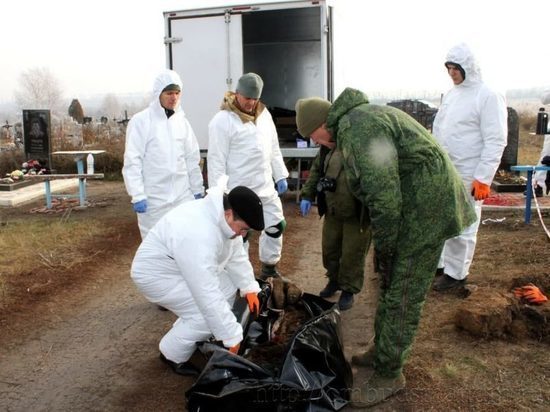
{"x": 289, "y": 44}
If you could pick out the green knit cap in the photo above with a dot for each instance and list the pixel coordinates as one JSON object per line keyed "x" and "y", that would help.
{"x": 250, "y": 85}
{"x": 311, "y": 113}
{"x": 172, "y": 88}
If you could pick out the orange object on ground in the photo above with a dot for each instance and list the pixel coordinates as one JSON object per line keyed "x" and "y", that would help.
{"x": 530, "y": 293}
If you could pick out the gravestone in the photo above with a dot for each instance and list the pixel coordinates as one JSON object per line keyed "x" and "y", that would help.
{"x": 510, "y": 154}
{"x": 37, "y": 132}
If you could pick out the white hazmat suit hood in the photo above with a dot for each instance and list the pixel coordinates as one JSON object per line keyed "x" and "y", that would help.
{"x": 463, "y": 56}
{"x": 164, "y": 79}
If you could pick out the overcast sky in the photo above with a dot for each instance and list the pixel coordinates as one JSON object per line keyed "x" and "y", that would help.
{"x": 116, "y": 46}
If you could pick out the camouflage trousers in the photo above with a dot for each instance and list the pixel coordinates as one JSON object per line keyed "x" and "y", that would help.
{"x": 400, "y": 304}
{"x": 345, "y": 246}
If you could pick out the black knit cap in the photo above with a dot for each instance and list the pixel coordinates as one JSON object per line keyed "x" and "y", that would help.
{"x": 248, "y": 206}
{"x": 459, "y": 67}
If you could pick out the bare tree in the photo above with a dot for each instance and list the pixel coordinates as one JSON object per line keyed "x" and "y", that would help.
{"x": 39, "y": 89}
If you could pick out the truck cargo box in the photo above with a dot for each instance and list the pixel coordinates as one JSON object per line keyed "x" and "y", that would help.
{"x": 287, "y": 43}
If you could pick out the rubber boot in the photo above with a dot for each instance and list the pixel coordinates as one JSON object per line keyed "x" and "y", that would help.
{"x": 269, "y": 271}
{"x": 346, "y": 300}
{"x": 330, "y": 289}
{"x": 375, "y": 390}
{"x": 365, "y": 358}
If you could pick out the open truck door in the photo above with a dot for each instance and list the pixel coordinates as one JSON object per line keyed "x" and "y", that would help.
{"x": 289, "y": 44}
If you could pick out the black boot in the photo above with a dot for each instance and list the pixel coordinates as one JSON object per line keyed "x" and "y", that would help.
{"x": 269, "y": 271}
{"x": 182, "y": 368}
{"x": 439, "y": 271}
{"x": 538, "y": 191}
{"x": 346, "y": 300}
{"x": 445, "y": 282}
{"x": 330, "y": 289}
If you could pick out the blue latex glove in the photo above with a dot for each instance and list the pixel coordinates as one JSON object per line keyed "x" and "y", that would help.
{"x": 305, "y": 206}
{"x": 198, "y": 195}
{"x": 282, "y": 186}
{"x": 141, "y": 206}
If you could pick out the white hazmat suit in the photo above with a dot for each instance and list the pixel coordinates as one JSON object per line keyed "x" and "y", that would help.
{"x": 190, "y": 265}
{"x": 249, "y": 153}
{"x": 471, "y": 125}
{"x": 161, "y": 158}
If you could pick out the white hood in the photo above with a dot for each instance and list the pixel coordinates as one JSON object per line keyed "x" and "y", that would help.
{"x": 462, "y": 55}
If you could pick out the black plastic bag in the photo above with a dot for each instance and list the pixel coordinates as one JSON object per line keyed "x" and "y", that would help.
{"x": 314, "y": 374}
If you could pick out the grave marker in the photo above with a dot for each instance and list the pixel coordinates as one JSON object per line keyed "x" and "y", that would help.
{"x": 37, "y": 132}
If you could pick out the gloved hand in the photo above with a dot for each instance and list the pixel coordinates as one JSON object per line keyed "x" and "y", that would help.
{"x": 235, "y": 349}
{"x": 141, "y": 206}
{"x": 253, "y": 303}
{"x": 531, "y": 294}
{"x": 282, "y": 186}
{"x": 480, "y": 190}
{"x": 305, "y": 206}
{"x": 198, "y": 195}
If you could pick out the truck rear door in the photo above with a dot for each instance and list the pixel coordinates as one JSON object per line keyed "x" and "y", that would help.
{"x": 206, "y": 50}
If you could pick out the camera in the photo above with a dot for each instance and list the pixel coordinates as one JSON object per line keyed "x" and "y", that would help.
{"x": 326, "y": 184}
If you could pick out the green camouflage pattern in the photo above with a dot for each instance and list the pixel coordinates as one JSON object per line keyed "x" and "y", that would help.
{"x": 396, "y": 168}
{"x": 416, "y": 200}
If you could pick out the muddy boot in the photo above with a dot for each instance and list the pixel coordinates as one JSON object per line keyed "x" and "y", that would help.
{"x": 446, "y": 283}
{"x": 293, "y": 293}
{"x": 346, "y": 300}
{"x": 278, "y": 297}
{"x": 365, "y": 358}
{"x": 269, "y": 271}
{"x": 330, "y": 289}
{"x": 375, "y": 390}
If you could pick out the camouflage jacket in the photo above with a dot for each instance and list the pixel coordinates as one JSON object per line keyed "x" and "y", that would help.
{"x": 396, "y": 168}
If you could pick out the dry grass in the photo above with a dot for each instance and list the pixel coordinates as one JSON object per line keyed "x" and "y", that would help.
{"x": 529, "y": 147}
{"x": 43, "y": 244}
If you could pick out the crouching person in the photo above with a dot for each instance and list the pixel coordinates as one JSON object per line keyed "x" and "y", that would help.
{"x": 192, "y": 263}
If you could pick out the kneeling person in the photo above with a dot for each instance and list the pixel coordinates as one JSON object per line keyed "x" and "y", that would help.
{"x": 192, "y": 263}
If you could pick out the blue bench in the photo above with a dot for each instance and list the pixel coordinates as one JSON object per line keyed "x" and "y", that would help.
{"x": 529, "y": 192}
{"x": 81, "y": 184}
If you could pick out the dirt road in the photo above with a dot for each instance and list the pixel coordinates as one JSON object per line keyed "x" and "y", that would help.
{"x": 92, "y": 344}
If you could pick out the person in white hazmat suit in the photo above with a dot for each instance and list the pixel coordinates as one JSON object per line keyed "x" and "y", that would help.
{"x": 540, "y": 177}
{"x": 162, "y": 158}
{"x": 192, "y": 263}
{"x": 471, "y": 125}
{"x": 243, "y": 144}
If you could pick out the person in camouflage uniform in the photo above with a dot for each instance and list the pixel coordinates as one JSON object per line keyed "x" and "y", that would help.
{"x": 346, "y": 232}
{"x": 416, "y": 200}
